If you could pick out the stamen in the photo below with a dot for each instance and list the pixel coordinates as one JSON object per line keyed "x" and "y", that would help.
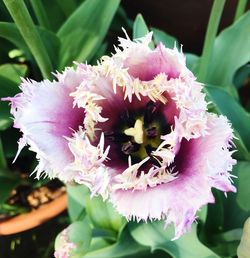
{"x": 129, "y": 147}
{"x": 151, "y": 132}
{"x": 136, "y": 131}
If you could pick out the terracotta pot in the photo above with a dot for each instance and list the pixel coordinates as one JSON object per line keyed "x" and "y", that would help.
{"x": 34, "y": 218}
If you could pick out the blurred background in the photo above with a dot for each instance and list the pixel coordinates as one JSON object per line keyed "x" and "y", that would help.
{"x": 185, "y": 20}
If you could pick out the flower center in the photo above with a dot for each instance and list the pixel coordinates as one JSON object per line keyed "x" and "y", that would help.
{"x": 138, "y": 132}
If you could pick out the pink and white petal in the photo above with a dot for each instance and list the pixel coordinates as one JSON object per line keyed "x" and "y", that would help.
{"x": 177, "y": 201}
{"x": 87, "y": 167}
{"x": 215, "y": 153}
{"x": 146, "y": 66}
{"x": 45, "y": 115}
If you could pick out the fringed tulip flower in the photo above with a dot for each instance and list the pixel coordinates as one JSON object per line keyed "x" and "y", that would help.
{"x": 134, "y": 128}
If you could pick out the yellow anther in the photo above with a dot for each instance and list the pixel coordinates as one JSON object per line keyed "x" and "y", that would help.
{"x": 136, "y": 131}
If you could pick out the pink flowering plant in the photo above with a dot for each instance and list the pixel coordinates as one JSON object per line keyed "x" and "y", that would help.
{"x": 152, "y": 143}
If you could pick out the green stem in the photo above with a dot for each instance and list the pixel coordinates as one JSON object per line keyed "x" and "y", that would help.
{"x": 40, "y": 13}
{"x": 67, "y": 6}
{"x": 210, "y": 38}
{"x": 241, "y": 7}
{"x": 3, "y": 162}
{"x": 28, "y": 30}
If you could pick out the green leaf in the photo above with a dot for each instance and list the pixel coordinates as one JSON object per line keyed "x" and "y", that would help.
{"x": 23, "y": 21}
{"x": 80, "y": 233}
{"x": 229, "y": 236}
{"x": 40, "y": 12}
{"x": 192, "y": 62}
{"x": 108, "y": 218}
{"x": 227, "y": 242}
{"x": 161, "y": 36}
{"x": 52, "y": 44}
{"x": 5, "y": 122}
{"x": 229, "y": 107}
{"x": 9, "y": 80}
{"x": 55, "y": 21}
{"x": 231, "y": 51}
{"x": 3, "y": 161}
{"x": 241, "y": 6}
{"x": 140, "y": 29}
{"x": 83, "y": 32}
{"x": 215, "y": 218}
{"x": 98, "y": 243}
{"x": 124, "y": 247}
{"x": 7, "y": 88}
{"x": 241, "y": 75}
{"x": 5, "y": 117}
{"x": 154, "y": 235}
{"x": 212, "y": 28}
{"x": 242, "y": 197}
{"x": 236, "y": 205}
{"x": 76, "y": 195}
{"x": 10, "y": 32}
{"x": 67, "y": 6}
{"x": 13, "y": 72}
{"x": 106, "y": 234}
{"x": 101, "y": 248}
{"x": 99, "y": 53}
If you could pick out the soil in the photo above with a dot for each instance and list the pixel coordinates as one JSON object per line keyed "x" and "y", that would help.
{"x": 27, "y": 198}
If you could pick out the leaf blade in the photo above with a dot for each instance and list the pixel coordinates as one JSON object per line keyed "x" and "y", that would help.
{"x": 154, "y": 235}
{"x": 229, "y": 107}
{"x": 222, "y": 69}
{"x": 81, "y": 42}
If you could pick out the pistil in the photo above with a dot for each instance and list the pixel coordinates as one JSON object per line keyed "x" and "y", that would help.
{"x": 136, "y": 132}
